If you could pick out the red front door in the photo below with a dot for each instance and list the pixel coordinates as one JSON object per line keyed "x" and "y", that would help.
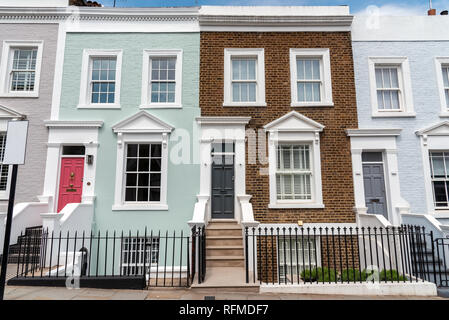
{"x": 70, "y": 181}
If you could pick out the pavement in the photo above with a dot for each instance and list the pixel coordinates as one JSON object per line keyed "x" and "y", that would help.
{"x": 55, "y": 293}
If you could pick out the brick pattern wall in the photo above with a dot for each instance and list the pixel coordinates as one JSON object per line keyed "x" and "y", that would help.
{"x": 335, "y": 145}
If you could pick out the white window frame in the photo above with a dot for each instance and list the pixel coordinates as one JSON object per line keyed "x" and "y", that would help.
{"x": 260, "y": 76}
{"x": 139, "y": 172}
{"x": 6, "y": 65}
{"x": 440, "y": 62}
{"x": 325, "y": 75}
{"x": 138, "y": 254}
{"x": 405, "y": 95}
{"x": 305, "y": 266}
{"x": 86, "y": 72}
{"x": 146, "y": 79}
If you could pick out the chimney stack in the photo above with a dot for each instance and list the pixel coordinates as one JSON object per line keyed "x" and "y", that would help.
{"x": 432, "y": 12}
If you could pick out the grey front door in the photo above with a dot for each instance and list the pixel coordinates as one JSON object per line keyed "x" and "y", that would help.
{"x": 374, "y": 184}
{"x": 222, "y": 181}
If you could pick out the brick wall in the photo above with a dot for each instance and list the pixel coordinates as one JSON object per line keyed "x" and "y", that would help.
{"x": 335, "y": 146}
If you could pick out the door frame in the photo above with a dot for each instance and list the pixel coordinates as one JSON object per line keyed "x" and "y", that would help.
{"x": 58, "y": 180}
{"x": 229, "y": 129}
{"x": 233, "y": 178}
{"x": 384, "y": 171}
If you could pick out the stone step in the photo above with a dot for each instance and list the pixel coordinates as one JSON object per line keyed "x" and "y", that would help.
{"x": 225, "y": 261}
{"x": 221, "y": 221}
{"x": 223, "y": 232}
{"x": 224, "y": 250}
{"x": 224, "y": 240}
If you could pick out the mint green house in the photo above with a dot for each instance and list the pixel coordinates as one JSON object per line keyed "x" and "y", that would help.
{"x": 122, "y": 142}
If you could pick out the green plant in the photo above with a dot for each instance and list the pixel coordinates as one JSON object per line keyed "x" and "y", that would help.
{"x": 319, "y": 274}
{"x": 352, "y": 275}
{"x": 391, "y": 275}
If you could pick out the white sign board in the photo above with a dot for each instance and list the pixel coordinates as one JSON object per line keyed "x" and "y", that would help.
{"x": 16, "y": 141}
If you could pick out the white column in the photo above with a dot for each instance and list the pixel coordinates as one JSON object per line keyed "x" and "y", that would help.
{"x": 51, "y": 175}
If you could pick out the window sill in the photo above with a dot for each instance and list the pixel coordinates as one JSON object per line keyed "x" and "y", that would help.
{"x": 444, "y": 114}
{"x": 99, "y": 106}
{"x": 19, "y": 95}
{"x": 394, "y": 114}
{"x": 296, "y": 206}
{"x": 161, "y": 106}
{"x": 244, "y": 104}
{"x": 140, "y": 207}
{"x": 442, "y": 213}
{"x": 312, "y": 104}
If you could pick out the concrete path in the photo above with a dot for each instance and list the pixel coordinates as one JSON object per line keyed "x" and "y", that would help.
{"x": 47, "y": 293}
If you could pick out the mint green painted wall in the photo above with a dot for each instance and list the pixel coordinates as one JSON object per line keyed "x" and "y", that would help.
{"x": 183, "y": 179}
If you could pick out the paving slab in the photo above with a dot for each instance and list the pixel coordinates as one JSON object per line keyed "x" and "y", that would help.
{"x": 52, "y": 293}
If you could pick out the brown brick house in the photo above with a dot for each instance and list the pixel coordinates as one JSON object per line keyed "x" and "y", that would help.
{"x": 276, "y": 96}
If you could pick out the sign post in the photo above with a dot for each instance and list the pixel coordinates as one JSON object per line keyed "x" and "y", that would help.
{"x": 14, "y": 155}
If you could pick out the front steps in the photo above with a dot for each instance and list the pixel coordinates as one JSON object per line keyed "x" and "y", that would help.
{"x": 224, "y": 244}
{"x": 29, "y": 246}
{"x": 225, "y": 260}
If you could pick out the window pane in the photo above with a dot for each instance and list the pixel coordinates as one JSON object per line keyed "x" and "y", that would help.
{"x": 309, "y": 93}
{"x": 316, "y": 91}
{"x": 445, "y": 76}
{"x": 379, "y": 82}
{"x": 380, "y": 100}
{"x": 130, "y": 194}
{"x": 316, "y": 70}
{"x": 300, "y": 69}
{"x": 131, "y": 179}
{"x": 287, "y": 186}
{"x": 132, "y": 150}
{"x": 440, "y": 192}
{"x": 438, "y": 165}
{"x": 308, "y": 69}
{"x": 394, "y": 99}
{"x": 155, "y": 150}
{"x": 301, "y": 92}
{"x": 394, "y": 78}
{"x": 142, "y": 194}
{"x": 447, "y": 97}
{"x": 155, "y": 194}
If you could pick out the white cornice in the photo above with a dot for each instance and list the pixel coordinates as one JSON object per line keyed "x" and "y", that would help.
{"x": 373, "y": 132}
{"x": 223, "y": 120}
{"x": 297, "y": 21}
{"x": 178, "y": 14}
{"x": 73, "y": 124}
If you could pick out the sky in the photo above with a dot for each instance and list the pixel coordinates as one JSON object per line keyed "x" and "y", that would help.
{"x": 385, "y": 7}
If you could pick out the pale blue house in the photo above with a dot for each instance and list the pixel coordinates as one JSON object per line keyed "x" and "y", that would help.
{"x": 401, "y": 149}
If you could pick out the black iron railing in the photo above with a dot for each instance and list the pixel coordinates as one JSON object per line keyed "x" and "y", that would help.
{"x": 160, "y": 258}
{"x": 344, "y": 255}
{"x": 199, "y": 253}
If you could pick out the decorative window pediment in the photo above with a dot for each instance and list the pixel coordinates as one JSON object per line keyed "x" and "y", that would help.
{"x": 294, "y": 121}
{"x": 142, "y": 122}
{"x": 8, "y": 113}
{"x": 142, "y": 162}
{"x": 440, "y": 129}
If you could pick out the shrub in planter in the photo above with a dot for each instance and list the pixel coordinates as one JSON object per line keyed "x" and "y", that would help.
{"x": 318, "y": 274}
{"x": 352, "y": 275}
{"x": 391, "y": 275}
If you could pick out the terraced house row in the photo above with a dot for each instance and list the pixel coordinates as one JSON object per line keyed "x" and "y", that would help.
{"x": 257, "y": 147}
